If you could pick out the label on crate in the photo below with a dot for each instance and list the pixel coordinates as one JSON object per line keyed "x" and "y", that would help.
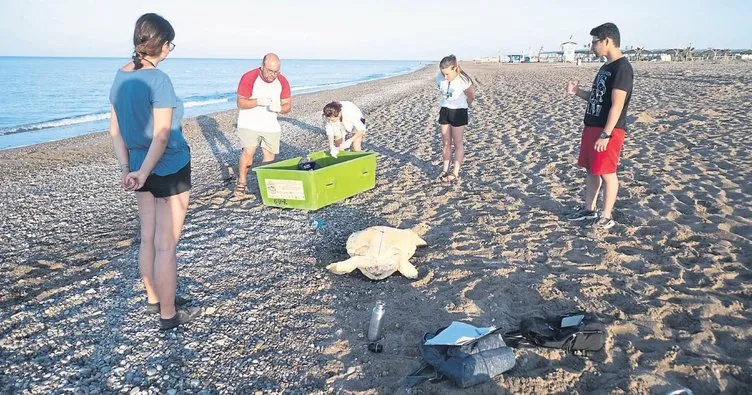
{"x": 285, "y": 189}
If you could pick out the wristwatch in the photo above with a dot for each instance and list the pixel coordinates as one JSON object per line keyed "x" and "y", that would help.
{"x": 605, "y": 136}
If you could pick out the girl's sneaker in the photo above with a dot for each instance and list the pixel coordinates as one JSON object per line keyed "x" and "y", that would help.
{"x": 603, "y": 223}
{"x": 582, "y": 214}
{"x": 153, "y": 308}
{"x": 183, "y": 316}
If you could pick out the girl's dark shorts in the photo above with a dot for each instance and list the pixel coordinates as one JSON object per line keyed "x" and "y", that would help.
{"x": 452, "y": 116}
{"x": 169, "y": 185}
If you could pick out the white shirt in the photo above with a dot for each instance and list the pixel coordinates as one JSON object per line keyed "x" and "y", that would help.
{"x": 351, "y": 119}
{"x": 260, "y": 118}
{"x": 453, "y": 92}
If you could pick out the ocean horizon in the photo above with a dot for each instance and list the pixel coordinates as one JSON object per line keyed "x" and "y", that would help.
{"x": 52, "y": 98}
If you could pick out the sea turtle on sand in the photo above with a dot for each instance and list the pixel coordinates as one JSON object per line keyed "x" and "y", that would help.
{"x": 379, "y": 251}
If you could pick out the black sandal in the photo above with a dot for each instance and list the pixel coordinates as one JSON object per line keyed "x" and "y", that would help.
{"x": 451, "y": 178}
{"x": 240, "y": 190}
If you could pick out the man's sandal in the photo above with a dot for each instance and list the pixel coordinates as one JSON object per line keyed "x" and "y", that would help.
{"x": 240, "y": 190}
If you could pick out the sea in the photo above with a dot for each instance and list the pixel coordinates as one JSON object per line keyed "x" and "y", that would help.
{"x": 46, "y": 99}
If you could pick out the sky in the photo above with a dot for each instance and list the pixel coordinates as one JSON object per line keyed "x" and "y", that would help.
{"x": 362, "y": 29}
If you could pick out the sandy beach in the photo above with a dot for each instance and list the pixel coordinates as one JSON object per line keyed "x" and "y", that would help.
{"x": 672, "y": 281}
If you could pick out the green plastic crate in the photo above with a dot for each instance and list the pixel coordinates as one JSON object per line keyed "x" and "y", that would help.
{"x": 283, "y": 185}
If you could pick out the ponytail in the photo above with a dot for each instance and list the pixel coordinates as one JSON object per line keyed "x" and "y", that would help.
{"x": 464, "y": 75}
{"x": 137, "y": 61}
{"x": 451, "y": 61}
{"x": 150, "y": 34}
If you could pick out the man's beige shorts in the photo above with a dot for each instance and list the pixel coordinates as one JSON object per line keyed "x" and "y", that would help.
{"x": 268, "y": 140}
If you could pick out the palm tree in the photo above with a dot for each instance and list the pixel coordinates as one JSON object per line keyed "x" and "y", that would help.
{"x": 687, "y": 53}
{"x": 539, "y": 53}
{"x": 639, "y": 51}
{"x": 677, "y": 53}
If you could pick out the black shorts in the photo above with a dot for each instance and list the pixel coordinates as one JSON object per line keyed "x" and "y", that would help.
{"x": 169, "y": 185}
{"x": 452, "y": 116}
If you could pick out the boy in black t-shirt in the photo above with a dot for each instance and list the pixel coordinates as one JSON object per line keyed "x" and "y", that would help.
{"x": 605, "y": 125}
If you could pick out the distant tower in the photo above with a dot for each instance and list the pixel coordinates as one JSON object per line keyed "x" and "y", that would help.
{"x": 568, "y": 48}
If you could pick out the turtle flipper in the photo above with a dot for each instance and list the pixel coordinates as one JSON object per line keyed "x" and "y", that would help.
{"x": 419, "y": 242}
{"x": 407, "y": 269}
{"x": 345, "y": 266}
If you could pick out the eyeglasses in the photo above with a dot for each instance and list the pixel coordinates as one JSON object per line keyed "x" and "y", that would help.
{"x": 596, "y": 41}
{"x": 265, "y": 70}
{"x": 171, "y": 45}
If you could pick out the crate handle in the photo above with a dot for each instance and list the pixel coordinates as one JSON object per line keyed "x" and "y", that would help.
{"x": 365, "y": 173}
{"x": 330, "y": 185}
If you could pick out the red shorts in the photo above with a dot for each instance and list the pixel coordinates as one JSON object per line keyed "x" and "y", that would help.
{"x": 599, "y": 163}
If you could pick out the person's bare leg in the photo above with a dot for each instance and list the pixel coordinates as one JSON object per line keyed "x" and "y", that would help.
{"x": 170, "y": 217}
{"x": 246, "y": 160}
{"x": 357, "y": 139}
{"x": 459, "y": 148}
{"x": 146, "y": 253}
{"x": 446, "y": 147}
{"x": 268, "y": 155}
{"x": 610, "y": 189}
{"x": 593, "y": 185}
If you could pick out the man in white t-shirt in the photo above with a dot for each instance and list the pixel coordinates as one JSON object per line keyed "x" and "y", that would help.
{"x": 344, "y": 117}
{"x": 262, "y": 94}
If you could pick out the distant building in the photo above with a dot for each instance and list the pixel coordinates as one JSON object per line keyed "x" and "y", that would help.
{"x": 567, "y": 49}
{"x": 663, "y": 54}
{"x": 569, "y": 53}
{"x": 516, "y": 58}
{"x": 551, "y": 57}
{"x": 585, "y": 55}
{"x": 637, "y": 54}
{"x": 487, "y": 59}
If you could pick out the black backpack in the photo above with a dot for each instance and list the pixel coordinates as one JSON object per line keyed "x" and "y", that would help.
{"x": 466, "y": 365}
{"x": 576, "y": 332}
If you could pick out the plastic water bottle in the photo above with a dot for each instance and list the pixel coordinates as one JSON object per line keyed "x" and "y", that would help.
{"x": 318, "y": 223}
{"x": 374, "y": 328}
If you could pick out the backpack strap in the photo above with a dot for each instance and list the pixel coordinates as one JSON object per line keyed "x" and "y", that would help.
{"x": 532, "y": 331}
{"x": 513, "y": 338}
{"x": 425, "y": 372}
